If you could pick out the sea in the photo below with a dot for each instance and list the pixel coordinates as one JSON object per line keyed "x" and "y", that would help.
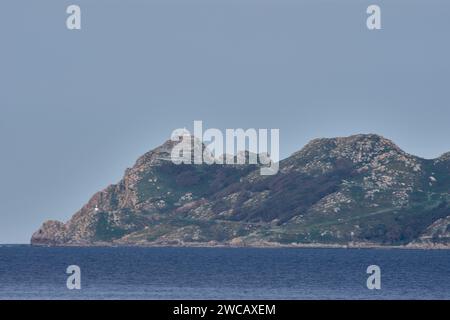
{"x": 28, "y": 272}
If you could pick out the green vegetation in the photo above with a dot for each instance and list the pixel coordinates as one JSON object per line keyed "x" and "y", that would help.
{"x": 105, "y": 231}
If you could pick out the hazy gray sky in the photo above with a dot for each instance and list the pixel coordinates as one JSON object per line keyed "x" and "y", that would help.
{"x": 78, "y": 107}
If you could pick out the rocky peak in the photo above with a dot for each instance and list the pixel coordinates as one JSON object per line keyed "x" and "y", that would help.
{"x": 356, "y": 147}
{"x": 155, "y": 156}
{"x": 444, "y": 158}
{"x": 362, "y": 150}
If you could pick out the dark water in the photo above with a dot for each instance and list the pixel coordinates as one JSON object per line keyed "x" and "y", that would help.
{"x": 222, "y": 273}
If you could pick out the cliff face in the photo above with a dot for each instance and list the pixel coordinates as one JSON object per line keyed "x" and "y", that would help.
{"x": 358, "y": 189}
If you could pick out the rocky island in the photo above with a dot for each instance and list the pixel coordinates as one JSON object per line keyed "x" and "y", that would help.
{"x": 360, "y": 190}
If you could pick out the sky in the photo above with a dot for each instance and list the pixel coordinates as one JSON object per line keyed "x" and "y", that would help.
{"x": 77, "y": 107}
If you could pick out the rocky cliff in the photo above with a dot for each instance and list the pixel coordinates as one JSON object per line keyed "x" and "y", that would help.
{"x": 361, "y": 189}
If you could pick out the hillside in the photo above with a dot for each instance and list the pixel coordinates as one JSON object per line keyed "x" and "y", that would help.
{"x": 357, "y": 190}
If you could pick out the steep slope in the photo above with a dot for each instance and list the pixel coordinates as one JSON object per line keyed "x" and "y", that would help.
{"x": 152, "y": 190}
{"x": 357, "y": 189}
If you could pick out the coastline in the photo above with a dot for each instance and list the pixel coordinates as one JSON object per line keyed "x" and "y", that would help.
{"x": 264, "y": 245}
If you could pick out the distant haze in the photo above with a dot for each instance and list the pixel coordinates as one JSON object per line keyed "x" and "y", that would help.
{"x": 78, "y": 107}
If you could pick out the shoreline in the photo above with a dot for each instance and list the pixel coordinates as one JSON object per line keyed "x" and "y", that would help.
{"x": 267, "y": 245}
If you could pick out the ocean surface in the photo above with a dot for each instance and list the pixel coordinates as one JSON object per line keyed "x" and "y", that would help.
{"x": 222, "y": 273}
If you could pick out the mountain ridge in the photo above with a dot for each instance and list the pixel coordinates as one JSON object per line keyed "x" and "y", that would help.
{"x": 357, "y": 190}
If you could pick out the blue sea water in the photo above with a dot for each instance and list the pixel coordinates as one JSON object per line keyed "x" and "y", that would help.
{"x": 222, "y": 273}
